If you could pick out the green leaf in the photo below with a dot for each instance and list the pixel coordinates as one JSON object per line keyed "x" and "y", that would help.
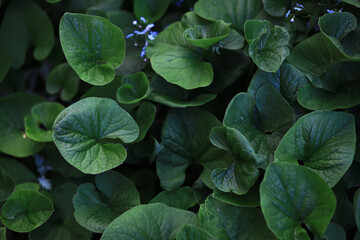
{"x": 293, "y": 195}
{"x": 13, "y": 140}
{"x": 314, "y": 98}
{"x": 133, "y": 88}
{"x": 174, "y": 96}
{"x": 182, "y": 198}
{"x": 95, "y": 209}
{"x": 276, "y": 8}
{"x": 234, "y": 41}
{"x": 323, "y": 141}
{"x": 63, "y": 79}
{"x": 334, "y": 232}
{"x": 26, "y": 210}
{"x": 3, "y": 229}
{"x": 235, "y": 12}
{"x": 275, "y": 112}
{"x": 145, "y": 116}
{"x": 287, "y": 80}
{"x": 173, "y": 58}
{"x": 28, "y": 186}
{"x": 185, "y": 140}
{"x": 38, "y": 125}
{"x": 107, "y": 91}
{"x": 267, "y": 44}
{"x": 250, "y": 199}
{"x": 189, "y": 232}
{"x": 17, "y": 171}
{"x": 342, "y": 30}
{"x": 93, "y": 47}
{"x": 25, "y": 25}
{"x": 205, "y": 36}
{"x": 88, "y": 134}
{"x": 150, "y": 221}
{"x": 104, "y": 5}
{"x": 227, "y": 222}
{"x": 7, "y": 185}
{"x": 151, "y": 10}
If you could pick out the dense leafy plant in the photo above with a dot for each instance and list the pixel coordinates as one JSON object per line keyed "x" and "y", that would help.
{"x": 179, "y": 119}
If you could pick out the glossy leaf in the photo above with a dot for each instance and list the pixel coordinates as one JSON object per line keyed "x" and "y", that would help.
{"x": 151, "y": 221}
{"x": 38, "y": 125}
{"x": 63, "y": 79}
{"x": 250, "y": 199}
{"x": 26, "y": 210}
{"x": 145, "y": 116}
{"x": 293, "y": 195}
{"x": 133, "y": 88}
{"x": 93, "y": 47}
{"x": 323, "y": 141}
{"x": 267, "y": 44}
{"x": 173, "y": 58}
{"x": 241, "y": 223}
{"x": 95, "y": 148}
{"x": 275, "y": 8}
{"x": 205, "y": 36}
{"x": 95, "y": 209}
{"x": 13, "y": 140}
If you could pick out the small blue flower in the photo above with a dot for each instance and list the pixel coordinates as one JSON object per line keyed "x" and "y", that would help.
{"x": 134, "y": 22}
{"x": 143, "y": 19}
{"x": 330, "y": 11}
{"x": 44, "y": 183}
{"x": 288, "y": 13}
{"x": 130, "y": 35}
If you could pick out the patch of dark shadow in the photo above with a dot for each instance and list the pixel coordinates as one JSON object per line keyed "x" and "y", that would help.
{"x": 42, "y": 127}
{"x": 110, "y": 141}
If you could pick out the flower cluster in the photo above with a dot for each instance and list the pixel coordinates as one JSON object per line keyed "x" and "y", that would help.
{"x": 297, "y": 8}
{"x": 42, "y": 168}
{"x": 146, "y": 32}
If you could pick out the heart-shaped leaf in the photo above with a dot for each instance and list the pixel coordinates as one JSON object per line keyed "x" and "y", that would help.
{"x": 93, "y": 46}
{"x": 267, "y": 44}
{"x": 13, "y": 140}
{"x": 63, "y": 78}
{"x": 133, "y": 88}
{"x": 173, "y": 58}
{"x": 88, "y": 134}
{"x": 95, "y": 209}
{"x": 26, "y": 210}
{"x": 293, "y": 195}
{"x": 324, "y": 141}
{"x": 38, "y": 125}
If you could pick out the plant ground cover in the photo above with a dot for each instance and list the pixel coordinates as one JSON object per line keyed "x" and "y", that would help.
{"x": 179, "y": 119}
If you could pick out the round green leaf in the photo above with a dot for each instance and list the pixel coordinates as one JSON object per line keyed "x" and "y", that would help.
{"x": 133, "y": 88}
{"x": 205, "y": 36}
{"x": 177, "y": 61}
{"x": 38, "y": 125}
{"x": 95, "y": 209}
{"x": 26, "y": 210}
{"x": 13, "y": 140}
{"x": 226, "y": 221}
{"x": 151, "y": 10}
{"x": 293, "y": 195}
{"x": 267, "y": 44}
{"x": 88, "y": 134}
{"x": 63, "y": 78}
{"x": 324, "y": 141}
{"x": 151, "y": 221}
{"x": 93, "y": 46}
